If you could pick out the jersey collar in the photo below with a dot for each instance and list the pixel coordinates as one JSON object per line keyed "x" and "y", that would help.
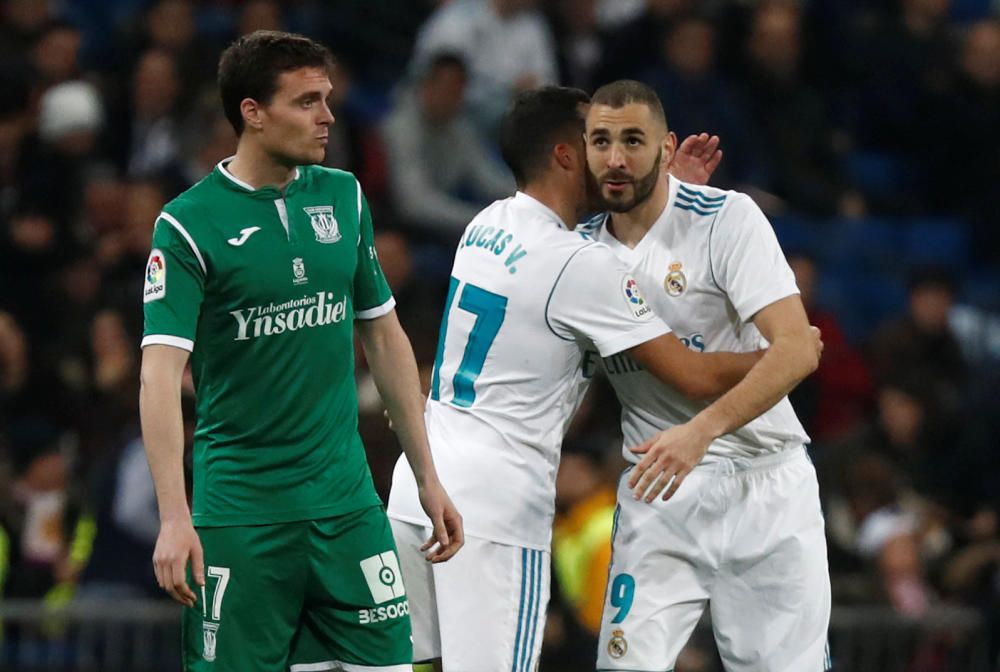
{"x": 268, "y": 192}
{"x": 532, "y": 203}
{"x": 621, "y": 250}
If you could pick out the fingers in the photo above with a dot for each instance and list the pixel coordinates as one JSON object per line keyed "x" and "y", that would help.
{"x": 448, "y": 539}
{"x": 673, "y": 487}
{"x": 179, "y": 589}
{"x": 646, "y": 474}
{"x": 714, "y": 161}
{"x": 640, "y": 469}
{"x": 198, "y": 563}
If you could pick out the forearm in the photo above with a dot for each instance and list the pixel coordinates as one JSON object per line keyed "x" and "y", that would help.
{"x": 163, "y": 438}
{"x": 781, "y": 368}
{"x": 719, "y": 372}
{"x": 394, "y": 370}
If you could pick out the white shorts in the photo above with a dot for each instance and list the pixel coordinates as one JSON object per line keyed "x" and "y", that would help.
{"x": 743, "y": 537}
{"x": 481, "y": 611}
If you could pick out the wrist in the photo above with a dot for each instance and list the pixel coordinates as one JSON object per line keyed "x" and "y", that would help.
{"x": 706, "y": 427}
{"x": 175, "y": 516}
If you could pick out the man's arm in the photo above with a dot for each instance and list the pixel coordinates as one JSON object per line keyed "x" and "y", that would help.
{"x": 394, "y": 370}
{"x": 793, "y": 354}
{"x": 163, "y": 436}
{"x": 696, "y": 375}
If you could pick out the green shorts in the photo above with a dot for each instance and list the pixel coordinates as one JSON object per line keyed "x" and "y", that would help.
{"x": 309, "y": 595}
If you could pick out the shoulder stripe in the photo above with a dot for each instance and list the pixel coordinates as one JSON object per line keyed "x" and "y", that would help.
{"x": 556, "y": 284}
{"x": 187, "y": 236}
{"x": 358, "y": 182}
{"x": 700, "y": 195}
{"x": 693, "y": 208}
{"x": 696, "y": 200}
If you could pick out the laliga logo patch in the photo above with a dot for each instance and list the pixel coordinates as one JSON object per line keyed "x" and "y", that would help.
{"x": 675, "y": 283}
{"x": 618, "y": 646}
{"x": 637, "y": 304}
{"x": 155, "y": 285}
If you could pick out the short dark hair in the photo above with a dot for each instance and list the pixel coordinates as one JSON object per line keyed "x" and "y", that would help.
{"x": 536, "y": 121}
{"x": 624, "y": 92}
{"x": 250, "y": 67}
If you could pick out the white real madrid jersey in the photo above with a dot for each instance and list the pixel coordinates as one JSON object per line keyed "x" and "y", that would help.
{"x": 707, "y": 266}
{"x": 527, "y": 299}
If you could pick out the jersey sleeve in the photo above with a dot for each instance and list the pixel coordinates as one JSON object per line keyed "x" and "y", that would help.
{"x": 372, "y": 296}
{"x": 174, "y": 286}
{"x": 747, "y": 262}
{"x": 596, "y": 299}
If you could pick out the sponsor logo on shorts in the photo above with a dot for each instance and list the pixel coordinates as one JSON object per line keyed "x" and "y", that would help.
{"x": 385, "y": 581}
{"x": 618, "y": 646}
{"x": 209, "y": 631}
{"x": 386, "y": 613}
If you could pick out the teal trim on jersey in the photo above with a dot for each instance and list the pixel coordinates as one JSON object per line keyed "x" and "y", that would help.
{"x": 442, "y": 333}
{"x": 520, "y": 610}
{"x": 554, "y": 285}
{"x": 827, "y": 658}
{"x": 490, "y": 310}
{"x": 699, "y": 195}
{"x": 692, "y": 208}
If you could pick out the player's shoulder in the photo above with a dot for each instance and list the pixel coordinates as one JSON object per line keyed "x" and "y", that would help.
{"x": 704, "y": 204}
{"x": 325, "y": 178}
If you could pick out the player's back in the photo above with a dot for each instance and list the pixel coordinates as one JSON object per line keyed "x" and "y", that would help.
{"x": 508, "y": 376}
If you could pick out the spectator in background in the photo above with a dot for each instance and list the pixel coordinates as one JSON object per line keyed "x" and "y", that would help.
{"x": 580, "y": 43}
{"x": 14, "y": 121}
{"x": 921, "y": 344}
{"x": 70, "y": 119}
{"x": 798, "y": 159}
{"x": 685, "y": 79}
{"x": 55, "y": 54}
{"x": 834, "y": 400}
{"x": 635, "y": 45}
{"x": 967, "y": 114}
{"x": 170, "y": 26}
{"x": 21, "y": 22}
{"x": 505, "y": 44}
{"x": 154, "y": 133}
{"x": 261, "y": 15}
{"x": 440, "y": 171}
{"x": 913, "y": 49}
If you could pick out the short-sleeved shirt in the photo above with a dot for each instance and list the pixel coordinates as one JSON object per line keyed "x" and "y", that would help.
{"x": 263, "y": 286}
{"x": 708, "y": 265}
{"x": 528, "y": 299}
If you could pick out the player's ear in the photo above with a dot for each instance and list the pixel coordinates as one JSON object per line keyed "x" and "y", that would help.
{"x": 669, "y": 148}
{"x": 564, "y": 156}
{"x": 251, "y": 111}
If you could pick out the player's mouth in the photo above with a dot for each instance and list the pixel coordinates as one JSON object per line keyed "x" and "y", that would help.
{"x": 617, "y": 186}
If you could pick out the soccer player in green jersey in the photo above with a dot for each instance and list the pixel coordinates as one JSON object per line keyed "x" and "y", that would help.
{"x": 259, "y": 272}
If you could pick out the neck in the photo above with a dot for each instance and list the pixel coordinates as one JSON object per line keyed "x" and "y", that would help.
{"x": 630, "y": 227}
{"x": 555, "y": 198}
{"x": 258, "y": 168}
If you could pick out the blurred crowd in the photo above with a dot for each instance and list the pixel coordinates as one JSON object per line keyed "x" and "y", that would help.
{"x": 844, "y": 119}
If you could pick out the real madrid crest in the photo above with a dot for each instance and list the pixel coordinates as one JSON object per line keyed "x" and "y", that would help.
{"x": 618, "y": 646}
{"x": 675, "y": 283}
